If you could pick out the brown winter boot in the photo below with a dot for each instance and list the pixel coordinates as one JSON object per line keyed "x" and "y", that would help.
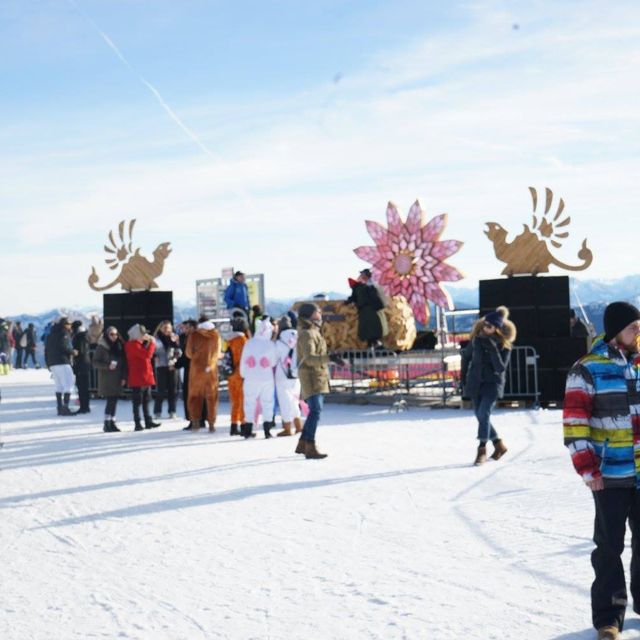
{"x": 286, "y": 431}
{"x": 481, "y": 456}
{"x": 298, "y": 425}
{"x": 311, "y": 453}
{"x": 609, "y": 632}
{"x": 195, "y": 426}
{"x": 498, "y": 449}
{"x": 301, "y": 446}
{"x": 212, "y": 427}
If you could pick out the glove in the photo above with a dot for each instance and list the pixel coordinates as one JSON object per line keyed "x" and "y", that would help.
{"x": 586, "y": 463}
{"x": 336, "y": 359}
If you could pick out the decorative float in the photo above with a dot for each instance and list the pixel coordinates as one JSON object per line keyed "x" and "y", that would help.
{"x": 408, "y": 262}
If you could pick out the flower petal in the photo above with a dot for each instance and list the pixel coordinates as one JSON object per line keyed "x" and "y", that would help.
{"x": 419, "y": 307}
{"x": 439, "y": 296}
{"x": 434, "y": 227}
{"x": 377, "y": 232}
{"x": 369, "y": 254}
{"x": 442, "y": 250}
{"x": 394, "y": 222}
{"x": 446, "y": 272}
{"x": 415, "y": 219}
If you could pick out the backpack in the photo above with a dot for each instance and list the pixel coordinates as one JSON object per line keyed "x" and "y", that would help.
{"x": 287, "y": 365}
{"x": 228, "y": 365}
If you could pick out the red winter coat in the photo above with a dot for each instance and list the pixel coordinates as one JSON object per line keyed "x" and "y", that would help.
{"x": 139, "y": 357}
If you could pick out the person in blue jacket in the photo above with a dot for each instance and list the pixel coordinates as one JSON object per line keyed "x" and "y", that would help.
{"x": 236, "y": 295}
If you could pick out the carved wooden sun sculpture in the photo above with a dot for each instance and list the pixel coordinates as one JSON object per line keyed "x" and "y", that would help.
{"x": 408, "y": 258}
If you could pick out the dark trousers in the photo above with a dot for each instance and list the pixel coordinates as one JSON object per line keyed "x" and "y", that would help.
{"x": 608, "y": 591}
{"x": 315, "y": 404}
{"x": 110, "y": 407}
{"x": 32, "y": 353}
{"x": 82, "y": 382}
{"x": 166, "y": 387}
{"x": 19, "y": 352}
{"x": 483, "y": 404}
{"x": 185, "y": 392}
{"x": 141, "y": 397}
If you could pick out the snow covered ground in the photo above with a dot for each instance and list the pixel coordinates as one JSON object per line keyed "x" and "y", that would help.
{"x": 171, "y": 535}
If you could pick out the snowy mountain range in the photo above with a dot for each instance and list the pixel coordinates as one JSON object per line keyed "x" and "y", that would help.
{"x": 590, "y": 295}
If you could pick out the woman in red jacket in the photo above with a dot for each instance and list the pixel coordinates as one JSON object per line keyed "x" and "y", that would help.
{"x": 139, "y": 350}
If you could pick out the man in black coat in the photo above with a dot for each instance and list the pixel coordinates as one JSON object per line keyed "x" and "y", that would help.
{"x": 58, "y": 353}
{"x": 188, "y": 326}
{"x": 365, "y": 295}
{"x": 81, "y": 363}
{"x": 18, "y": 333}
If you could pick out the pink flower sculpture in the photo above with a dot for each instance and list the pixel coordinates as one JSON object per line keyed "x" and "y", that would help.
{"x": 408, "y": 258}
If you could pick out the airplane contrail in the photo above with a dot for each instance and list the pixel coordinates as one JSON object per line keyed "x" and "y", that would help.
{"x": 161, "y": 101}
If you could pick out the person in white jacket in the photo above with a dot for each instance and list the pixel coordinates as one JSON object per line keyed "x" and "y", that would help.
{"x": 287, "y": 382}
{"x": 256, "y": 368}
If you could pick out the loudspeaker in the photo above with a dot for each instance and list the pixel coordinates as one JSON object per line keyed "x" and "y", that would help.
{"x": 552, "y": 384}
{"x": 525, "y": 291}
{"x": 552, "y": 291}
{"x": 149, "y": 308}
{"x": 559, "y": 353}
{"x": 553, "y": 322}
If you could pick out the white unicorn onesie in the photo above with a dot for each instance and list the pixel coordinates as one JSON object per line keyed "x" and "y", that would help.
{"x": 256, "y": 368}
{"x": 287, "y": 382}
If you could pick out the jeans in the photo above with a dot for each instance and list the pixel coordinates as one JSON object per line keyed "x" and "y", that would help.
{"x": 609, "y": 591}
{"x": 311, "y": 423}
{"x": 483, "y": 404}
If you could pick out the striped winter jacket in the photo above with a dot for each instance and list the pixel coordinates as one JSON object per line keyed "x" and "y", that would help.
{"x": 601, "y": 416}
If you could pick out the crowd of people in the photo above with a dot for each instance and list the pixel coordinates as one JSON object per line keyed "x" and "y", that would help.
{"x": 17, "y": 345}
{"x": 273, "y": 366}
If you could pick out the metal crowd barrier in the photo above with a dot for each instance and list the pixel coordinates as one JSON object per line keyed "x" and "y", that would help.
{"x": 522, "y": 375}
{"x": 432, "y": 376}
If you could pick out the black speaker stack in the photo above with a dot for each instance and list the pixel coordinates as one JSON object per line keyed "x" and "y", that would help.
{"x": 539, "y": 307}
{"x": 149, "y": 308}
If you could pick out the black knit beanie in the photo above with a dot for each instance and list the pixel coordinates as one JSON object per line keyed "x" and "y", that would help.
{"x": 617, "y": 316}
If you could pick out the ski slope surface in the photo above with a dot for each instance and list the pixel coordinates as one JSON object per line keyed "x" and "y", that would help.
{"x": 165, "y": 534}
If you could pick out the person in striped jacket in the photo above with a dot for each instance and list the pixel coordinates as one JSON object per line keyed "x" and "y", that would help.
{"x": 601, "y": 420}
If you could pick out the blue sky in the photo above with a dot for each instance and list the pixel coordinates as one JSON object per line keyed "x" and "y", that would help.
{"x": 277, "y": 128}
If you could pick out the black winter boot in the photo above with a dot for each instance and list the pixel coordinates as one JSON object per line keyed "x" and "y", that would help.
{"x": 247, "y": 430}
{"x": 138, "y": 426}
{"x": 149, "y": 423}
{"x": 234, "y": 430}
{"x": 110, "y": 426}
{"x": 59, "y": 403}
{"x": 266, "y": 426}
{"x": 66, "y": 411}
